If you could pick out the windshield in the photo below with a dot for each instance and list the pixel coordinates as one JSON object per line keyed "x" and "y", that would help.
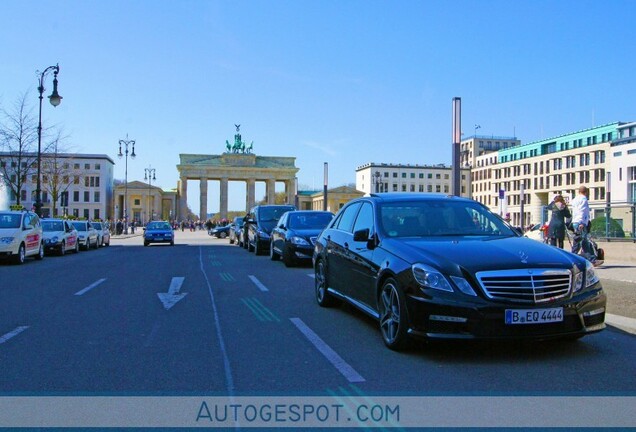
{"x": 10, "y": 221}
{"x": 97, "y": 225}
{"x": 52, "y": 226}
{"x": 158, "y": 226}
{"x": 268, "y": 214}
{"x": 80, "y": 226}
{"x": 440, "y": 218}
{"x": 302, "y": 220}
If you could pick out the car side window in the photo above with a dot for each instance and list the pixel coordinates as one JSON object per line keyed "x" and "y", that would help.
{"x": 283, "y": 220}
{"x": 365, "y": 219}
{"x": 345, "y": 223}
{"x": 26, "y": 222}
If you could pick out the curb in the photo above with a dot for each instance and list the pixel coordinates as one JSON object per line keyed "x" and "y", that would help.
{"x": 621, "y": 322}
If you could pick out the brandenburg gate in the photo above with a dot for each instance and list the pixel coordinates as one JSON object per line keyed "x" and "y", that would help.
{"x": 238, "y": 163}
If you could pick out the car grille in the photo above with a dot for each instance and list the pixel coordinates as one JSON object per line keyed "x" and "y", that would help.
{"x": 526, "y": 285}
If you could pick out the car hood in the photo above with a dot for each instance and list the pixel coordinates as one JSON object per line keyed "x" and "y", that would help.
{"x": 51, "y": 234}
{"x": 452, "y": 254}
{"x": 306, "y": 232}
{"x": 9, "y": 232}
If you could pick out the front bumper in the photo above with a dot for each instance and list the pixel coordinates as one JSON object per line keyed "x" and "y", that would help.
{"x": 304, "y": 252}
{"x": 436, "y": 318}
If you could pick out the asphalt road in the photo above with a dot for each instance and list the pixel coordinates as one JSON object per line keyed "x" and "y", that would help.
{"x": 94, "y": 324}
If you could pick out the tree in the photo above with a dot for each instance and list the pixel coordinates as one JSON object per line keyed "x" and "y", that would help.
{"x": 58, "y": 173}
{"x": 18, "y": 142}
{"x": 598, "y": 228}
{"x": 279, "y": 198}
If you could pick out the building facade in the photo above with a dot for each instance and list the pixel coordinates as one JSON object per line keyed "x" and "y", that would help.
{"x": 382, "y": 177}
{"x": 144, "y": 202}
{"x": 74, "y": 184}
{"x": 478, "y": 145}
{"x": 336, "y": 198}
{"x": 530, "y": 175}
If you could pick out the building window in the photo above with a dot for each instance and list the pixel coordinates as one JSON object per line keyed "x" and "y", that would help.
{"x": 137, "y": 202}
{"x": 403, "y": 175}
{"x": 86, "y": 181}
{"x": 76, "y": 180}
{"x": 98, "y": 166}
{"x": 403, "y": 188}
{"x": 438, "y": 188}
{"x": 412, "y": 175}
{"x": 86, "y": 214}
{"x": 421, "y": 188}
{"x": 430, "y": 175}
{"x": 438, "y": 176}
{"x": 395, "y": 187}
{"x": 96, "y": 197}
{"x": 76, "y": 196}
{"x": 394, "y": 175}
{"x": 87, "y": 166}
{"x": 76, "y": 166}
{"x": 412, "y": 188}
{"x": 421, "y": 175}
{"x": 429, "y": 188}
{"x": 96, "y": 214}
{"x": 87, "y": 196}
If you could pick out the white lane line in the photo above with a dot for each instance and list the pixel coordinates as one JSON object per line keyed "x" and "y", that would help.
{"x": 312, "y": 275}
{"x": 258, "y": 283}
{"x": 12, "y": 333}
{"x": 90, "y": 287}
{"x": 229, "y": 380}
{"x": 343, "y": 367}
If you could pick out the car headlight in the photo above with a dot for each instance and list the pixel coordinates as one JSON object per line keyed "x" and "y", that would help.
{"x": 299, "y": 241}
{"x": 263, "y": 235}
{"x": 428, "y": 277}
{"x": 589, "y": 276}
{"x": 82, "y": 237}
{"x": 54, "y": 239}
{"x": 463, "y": 286}
{"x": 7, "y": 240}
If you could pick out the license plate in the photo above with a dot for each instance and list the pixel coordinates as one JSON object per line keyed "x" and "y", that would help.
{"x": 533, "y": 316}
{"x": 158, "y": 238}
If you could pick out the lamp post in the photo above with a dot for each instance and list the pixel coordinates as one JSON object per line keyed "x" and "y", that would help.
{"x": 325, "y": 207}
{"x": 149, "y": 174}
{"x": 126, "y": 143}
{"x": 55, "y": 100}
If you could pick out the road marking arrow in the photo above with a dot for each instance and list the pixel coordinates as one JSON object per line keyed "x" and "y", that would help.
{"x": 171, "y": 298}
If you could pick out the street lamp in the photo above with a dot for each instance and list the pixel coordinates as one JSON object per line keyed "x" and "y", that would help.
{"x": 126, "y": 143}
{"x": 55, "y": 100}
{"x": 149, "y": 174}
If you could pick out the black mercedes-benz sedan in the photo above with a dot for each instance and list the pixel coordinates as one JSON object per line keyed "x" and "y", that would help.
{"x": 438, "y": 266}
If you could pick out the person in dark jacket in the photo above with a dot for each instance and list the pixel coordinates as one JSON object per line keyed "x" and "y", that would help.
{"x": 556, "y": 229}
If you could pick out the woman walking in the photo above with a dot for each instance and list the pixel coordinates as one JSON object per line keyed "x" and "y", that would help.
{"x": 556, "y": 229}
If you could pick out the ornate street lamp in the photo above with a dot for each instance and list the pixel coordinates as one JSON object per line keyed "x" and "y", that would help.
{"x": 149, "y": 174}
{"x": 126, "y": 143}
{"x": 55, "y": 100}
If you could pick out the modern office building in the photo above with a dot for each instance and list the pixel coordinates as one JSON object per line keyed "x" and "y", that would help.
{"x": 479, "y": 145}
{"x": 532, "y": 174}
{"x": 383, "y": 177}
{"x": 71, "y": 183}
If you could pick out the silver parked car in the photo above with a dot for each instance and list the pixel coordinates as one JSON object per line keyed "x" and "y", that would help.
{"x": 103, "y": 233}
{"x": 87, "y": 234}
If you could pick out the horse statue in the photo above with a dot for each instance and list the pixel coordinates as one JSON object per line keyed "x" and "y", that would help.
{"x": 249, "y": 148}
{"x": 228, "y": 146}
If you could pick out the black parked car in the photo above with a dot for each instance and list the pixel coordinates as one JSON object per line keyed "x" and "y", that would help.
{"x": 294, "y": 236}
{"x": 235, "y": 230}
{"x": 437, "y": 266}
{"x": 220, "y": 231}
{"x": 258, "y": 225}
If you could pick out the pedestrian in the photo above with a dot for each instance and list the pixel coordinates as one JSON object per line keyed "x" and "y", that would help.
{"x": 580, "y": 222}
{"x": 556, "y": 228}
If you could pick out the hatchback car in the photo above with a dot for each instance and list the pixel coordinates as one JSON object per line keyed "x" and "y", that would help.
{"x": 158, "y": 232}
{"x": 103, "y": 233}
{"x": 20, "y": 236}
{"x": 87, "y": 234}
{"x": 258, "y": 226}
{"x": 60, "y": 236}
{"x": 294, "y": 236}
{"x": 437, "y": 266}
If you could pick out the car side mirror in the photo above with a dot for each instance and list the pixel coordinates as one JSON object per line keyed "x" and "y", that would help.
{"x": 361, "y": 235}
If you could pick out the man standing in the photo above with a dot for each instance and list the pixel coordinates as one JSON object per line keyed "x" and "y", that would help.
{"x": 580, "y": 221}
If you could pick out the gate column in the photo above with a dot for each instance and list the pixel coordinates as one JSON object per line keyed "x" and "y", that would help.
{"x": 183, "y": 197}
{"x": 251, "y": 193}
{"x": 203, "y": 199}
{"x": 224, "y": 198}
{"x": 271, "y": 191}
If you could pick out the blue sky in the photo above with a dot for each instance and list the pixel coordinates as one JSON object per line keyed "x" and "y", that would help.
{"x": 344, "y": 82}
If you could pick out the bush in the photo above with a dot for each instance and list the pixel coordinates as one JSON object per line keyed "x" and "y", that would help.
{"x": 598, "y": 228}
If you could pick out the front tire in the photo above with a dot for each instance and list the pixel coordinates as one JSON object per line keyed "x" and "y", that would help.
{"x": 40, "y": 255}
{"x": 393, "y": 317}
{"x": 21, "y": 256}
{"x": 323, "y": 298}
{"x": 62, "y": 249}
{"x": 272, "y": 253}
